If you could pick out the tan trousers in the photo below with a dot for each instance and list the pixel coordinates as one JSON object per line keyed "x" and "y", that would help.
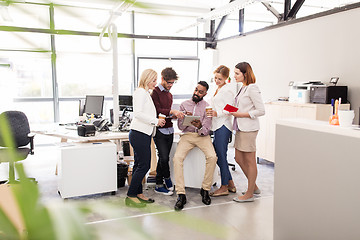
{"x": 187, "y": 142}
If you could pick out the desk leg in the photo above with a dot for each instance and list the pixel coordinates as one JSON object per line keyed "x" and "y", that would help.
{"x": 118, "y": 148}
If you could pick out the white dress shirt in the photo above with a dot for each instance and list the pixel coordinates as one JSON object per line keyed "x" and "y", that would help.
{"x": 144, "y": 118}
{"x": 225, "y": 95}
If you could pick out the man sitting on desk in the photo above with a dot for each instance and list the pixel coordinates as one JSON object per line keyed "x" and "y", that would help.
{"x": 195, "y": 136}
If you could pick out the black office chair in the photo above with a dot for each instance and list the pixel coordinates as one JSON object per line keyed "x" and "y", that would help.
{"x": 232, "y": 165}
{"x": 15, "y": 123}
{"x": 230, "y": 139}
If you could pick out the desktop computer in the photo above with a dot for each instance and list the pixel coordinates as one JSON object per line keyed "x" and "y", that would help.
{"x": 125, "y": 107}
{"x": 94, "y": 105}
{"x": 81, "y": 107}
{"x": 125, "y": 102}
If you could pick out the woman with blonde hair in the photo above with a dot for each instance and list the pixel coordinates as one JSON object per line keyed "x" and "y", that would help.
{"x": 246, "y": 123}
{"x": 221, "y": 127}
{"x": 142, "y": 129}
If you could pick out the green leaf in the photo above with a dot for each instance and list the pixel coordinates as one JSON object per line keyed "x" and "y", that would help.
{"x": 7, "y": 228}
{"x": 36, "y": 217}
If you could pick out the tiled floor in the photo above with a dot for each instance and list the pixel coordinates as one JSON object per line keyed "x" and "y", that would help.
{"x": 223, "y": 219}
{"x": 227, "y": 220}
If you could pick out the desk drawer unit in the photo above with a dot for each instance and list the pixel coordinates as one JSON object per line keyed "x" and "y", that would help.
{"x": 87, "y": 168}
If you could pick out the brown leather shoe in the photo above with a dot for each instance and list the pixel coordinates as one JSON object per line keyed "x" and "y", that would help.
{"x": 218, "y": 194}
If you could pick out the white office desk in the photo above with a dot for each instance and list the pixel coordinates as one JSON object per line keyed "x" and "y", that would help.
{"x": 67, "y": 134}
{"x": 55, "y": 130}
{"x": 88, "y": 164}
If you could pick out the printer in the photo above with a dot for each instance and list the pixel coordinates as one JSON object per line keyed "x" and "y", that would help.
{"x": 324, "y": 93}
{"x": 300, "y": 91}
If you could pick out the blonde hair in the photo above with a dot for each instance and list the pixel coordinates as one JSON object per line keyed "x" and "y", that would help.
{"x": 223, "y": 70}
{"x": 147, "y": 76}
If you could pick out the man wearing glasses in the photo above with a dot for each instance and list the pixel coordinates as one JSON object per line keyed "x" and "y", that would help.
{"x": 164, "y": 137}
{"x": 195, "y": 135}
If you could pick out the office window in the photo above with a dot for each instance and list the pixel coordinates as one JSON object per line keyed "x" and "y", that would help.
{"x": 69, "y": 111}
{"x": 80, "y": 74}
{"x": 89, "y": 44}
{"x": 24, "y": 15}
{"x": 84, "y": 69}
{"x": 164, "y": 25}
{"x": 24, "y": 41}
{"x": 43, "y": 112}
{"x": 7, "y": 91}
{"x": 255, "y": 17}
{"x": 165, "y": 48}
{"x": 89, "y": 20}
{"x": 28, "y": 74}
{"x": 187, "y": 70}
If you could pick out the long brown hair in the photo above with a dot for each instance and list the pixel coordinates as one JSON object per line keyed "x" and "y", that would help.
{"x": 246, "y": 69}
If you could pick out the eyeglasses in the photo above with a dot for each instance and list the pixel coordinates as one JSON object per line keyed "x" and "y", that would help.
{"x": 170, "y": 83}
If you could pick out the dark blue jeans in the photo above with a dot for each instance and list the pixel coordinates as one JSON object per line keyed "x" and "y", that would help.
{"x": 142, "y": 158}
{"x": 221, "y": 141}
{"x": 163, "y": 144}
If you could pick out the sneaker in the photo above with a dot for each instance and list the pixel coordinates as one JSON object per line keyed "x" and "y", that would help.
{"x": 168, "y": 184}
{"x": 163, "y": 190}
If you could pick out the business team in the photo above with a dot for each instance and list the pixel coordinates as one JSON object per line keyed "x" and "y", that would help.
{"x": 146, "y": 124}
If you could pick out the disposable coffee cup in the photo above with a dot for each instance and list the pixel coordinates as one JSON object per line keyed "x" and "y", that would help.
{"x": 162, "y": 116}
{"x": 208, "y": 110}
{"x": 346, "y": 117}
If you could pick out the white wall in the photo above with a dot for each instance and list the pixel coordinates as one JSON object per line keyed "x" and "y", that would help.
{"x": 317, "y": 49}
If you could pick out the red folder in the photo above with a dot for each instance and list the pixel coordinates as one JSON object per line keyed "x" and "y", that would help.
{"x": 230, "y": 108}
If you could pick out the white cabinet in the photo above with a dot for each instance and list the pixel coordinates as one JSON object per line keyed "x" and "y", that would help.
{"x": 282, "y": 110}
{"x": 316, "y": 181}
{"x": 87, "y": 168}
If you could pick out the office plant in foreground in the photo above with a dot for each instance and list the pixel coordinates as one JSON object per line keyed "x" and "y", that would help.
{"x": 30, "y": 219}
{"x": 72, "y": 220}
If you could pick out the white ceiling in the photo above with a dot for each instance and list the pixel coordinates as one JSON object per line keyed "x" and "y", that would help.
{"x": 197, "y": 8}
{"x": 195, "y": 4}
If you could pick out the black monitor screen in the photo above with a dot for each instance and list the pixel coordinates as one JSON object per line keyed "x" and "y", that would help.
{"x": 94, "y": 104}
{"x": 125, "y": 101}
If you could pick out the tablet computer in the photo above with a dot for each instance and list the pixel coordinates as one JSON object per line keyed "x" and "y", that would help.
{"x": 188, "y": 119}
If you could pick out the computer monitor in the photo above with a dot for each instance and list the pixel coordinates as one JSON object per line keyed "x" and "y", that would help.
{"x": 125, "y": 101}
{"x": 81, "y": 106}
{"x": 94, "y": 105}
